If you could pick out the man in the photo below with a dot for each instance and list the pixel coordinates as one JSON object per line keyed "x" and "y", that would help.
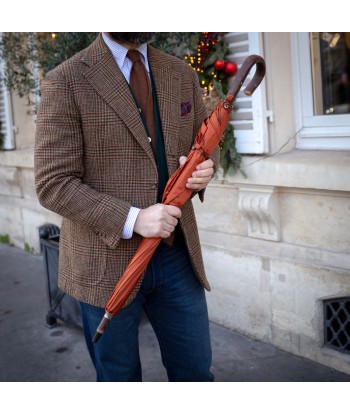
{"x": 101, "y": 162}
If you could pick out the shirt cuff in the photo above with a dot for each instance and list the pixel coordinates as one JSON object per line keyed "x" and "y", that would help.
{"x": 130, "y": 223}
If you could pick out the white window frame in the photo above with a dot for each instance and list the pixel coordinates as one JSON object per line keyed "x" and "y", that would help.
{"x": 315, "y": 132}
{"x": 7, "y": 120}
{"x": 252, "y": 140}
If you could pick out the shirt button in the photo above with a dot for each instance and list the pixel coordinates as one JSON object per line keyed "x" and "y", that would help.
{"x": 150, "y": 139}
{"x": 153, "y": 186}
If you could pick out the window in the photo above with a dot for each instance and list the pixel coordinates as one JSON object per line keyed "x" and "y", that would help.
{"x": 337, "y": 324}
{"x": 331, "y": 72}
{"x": 321, "y": 90}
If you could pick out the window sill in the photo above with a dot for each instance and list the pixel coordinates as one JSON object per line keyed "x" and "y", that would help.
{"x": 324, "y": 138}
{"x": 17, "y": 158}
{"x": 308, "y": 169}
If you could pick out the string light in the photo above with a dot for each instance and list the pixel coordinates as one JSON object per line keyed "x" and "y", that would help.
{"x": 198, "y": 61}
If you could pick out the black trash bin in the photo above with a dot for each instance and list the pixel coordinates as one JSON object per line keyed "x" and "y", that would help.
{"x": 61, "y": 305}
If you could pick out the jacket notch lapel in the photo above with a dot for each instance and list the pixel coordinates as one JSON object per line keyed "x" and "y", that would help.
{"x": 108, "y": 81}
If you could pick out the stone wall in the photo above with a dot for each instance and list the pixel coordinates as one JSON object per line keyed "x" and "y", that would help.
{"x": 21, "y": 215}
{"x": 274, "y": 257}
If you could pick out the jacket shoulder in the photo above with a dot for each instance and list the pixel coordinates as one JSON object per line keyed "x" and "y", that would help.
{"x": 75, "y": 63}
{"x": 174, "y": 63}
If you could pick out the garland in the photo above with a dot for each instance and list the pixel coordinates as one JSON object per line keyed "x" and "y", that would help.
{"x": 214, "y": 72}
{"x": 206, "y": 53}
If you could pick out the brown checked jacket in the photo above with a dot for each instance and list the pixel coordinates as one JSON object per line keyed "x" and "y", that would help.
{"x": 93, "y": 161}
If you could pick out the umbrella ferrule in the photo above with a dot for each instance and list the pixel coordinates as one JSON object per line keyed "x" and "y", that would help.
{"x": 108, "y": 315}
{"x": 102, "y": 326}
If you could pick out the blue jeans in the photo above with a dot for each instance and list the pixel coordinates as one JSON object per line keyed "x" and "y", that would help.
{"x": 175, "y": 304}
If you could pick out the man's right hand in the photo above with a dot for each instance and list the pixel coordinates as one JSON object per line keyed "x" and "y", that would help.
{"x": 157, "y": 221}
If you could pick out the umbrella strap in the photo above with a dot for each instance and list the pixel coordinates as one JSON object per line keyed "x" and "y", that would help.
{"x": 201, "y": 150}
{"x": 228, "y": 102}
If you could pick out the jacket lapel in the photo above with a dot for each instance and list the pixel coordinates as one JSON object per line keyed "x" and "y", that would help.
{"x": 108, "y": 81}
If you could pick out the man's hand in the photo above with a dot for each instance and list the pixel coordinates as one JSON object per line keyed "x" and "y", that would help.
{"x": 201, "y": 176}
{"x": 157, "y": 221}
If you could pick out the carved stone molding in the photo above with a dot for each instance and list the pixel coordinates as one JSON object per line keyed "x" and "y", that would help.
{"x": 259, "y": 206}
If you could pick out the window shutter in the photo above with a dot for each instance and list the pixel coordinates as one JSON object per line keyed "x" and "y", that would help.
{"x": 249, "y": 117}
{"x": 6, "y": 114}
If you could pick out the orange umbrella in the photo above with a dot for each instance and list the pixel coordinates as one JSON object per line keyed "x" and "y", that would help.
{"x": 175, "y": 192}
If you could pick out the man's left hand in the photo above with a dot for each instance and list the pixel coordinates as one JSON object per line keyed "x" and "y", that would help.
{"x": 201, "y": 176}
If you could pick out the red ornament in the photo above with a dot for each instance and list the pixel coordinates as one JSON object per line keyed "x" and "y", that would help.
{"x": 219, "y": 65}
{"x": 230, "y": 69}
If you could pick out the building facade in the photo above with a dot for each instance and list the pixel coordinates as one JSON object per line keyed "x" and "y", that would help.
{"x": 276, "y": 243}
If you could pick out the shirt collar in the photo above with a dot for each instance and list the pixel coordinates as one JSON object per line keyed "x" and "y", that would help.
{"x": 119, "y": 52}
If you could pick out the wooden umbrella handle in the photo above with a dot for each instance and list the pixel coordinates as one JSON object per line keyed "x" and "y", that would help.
{"x": 242, "y": 75}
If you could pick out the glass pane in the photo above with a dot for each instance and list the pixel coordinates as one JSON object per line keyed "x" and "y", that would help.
{"x": 331, "y": 72}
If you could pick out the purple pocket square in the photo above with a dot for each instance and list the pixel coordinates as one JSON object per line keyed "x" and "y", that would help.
{"x": 186, "y": 108}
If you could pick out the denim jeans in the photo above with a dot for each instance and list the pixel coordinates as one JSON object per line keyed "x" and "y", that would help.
{"x": 175, "y": 304}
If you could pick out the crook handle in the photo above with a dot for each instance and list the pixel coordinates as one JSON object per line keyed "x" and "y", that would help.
{"x": 243, "y": 73}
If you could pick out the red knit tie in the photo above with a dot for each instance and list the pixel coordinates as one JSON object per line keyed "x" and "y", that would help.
{"x": 141, "y": 88}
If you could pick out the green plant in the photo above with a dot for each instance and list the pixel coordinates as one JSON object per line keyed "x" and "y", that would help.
{"x": 55, "y": 48}
{"x": 29, "y": 56}
{"x": 230, "y": 159}
{"x": 19, "y": 52}
{"x": 28, "y": 249}
{"x": 5, "y": 239}
{"x": 178, "y": 44}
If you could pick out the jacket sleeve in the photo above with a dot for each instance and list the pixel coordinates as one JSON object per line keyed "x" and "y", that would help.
{"x": 59, "y": 167}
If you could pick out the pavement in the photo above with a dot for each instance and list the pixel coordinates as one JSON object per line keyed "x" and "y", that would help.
{"x": 30, "y": 351}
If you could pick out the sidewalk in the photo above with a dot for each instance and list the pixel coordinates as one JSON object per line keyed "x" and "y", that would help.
{"x": 32, "y": 352}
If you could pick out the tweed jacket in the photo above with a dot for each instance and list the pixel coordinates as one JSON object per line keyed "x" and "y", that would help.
{"x": 93, "y": 161}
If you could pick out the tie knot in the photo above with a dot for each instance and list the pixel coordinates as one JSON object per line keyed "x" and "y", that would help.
{"x": 134, "y": 55}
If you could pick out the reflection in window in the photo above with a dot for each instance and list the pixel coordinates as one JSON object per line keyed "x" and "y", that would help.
{"x": 331, "y": 72}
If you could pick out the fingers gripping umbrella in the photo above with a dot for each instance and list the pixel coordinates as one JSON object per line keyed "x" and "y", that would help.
{"x": 175, "y": 192}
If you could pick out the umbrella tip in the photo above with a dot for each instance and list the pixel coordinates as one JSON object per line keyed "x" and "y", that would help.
{"x": 96, "y": 337}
